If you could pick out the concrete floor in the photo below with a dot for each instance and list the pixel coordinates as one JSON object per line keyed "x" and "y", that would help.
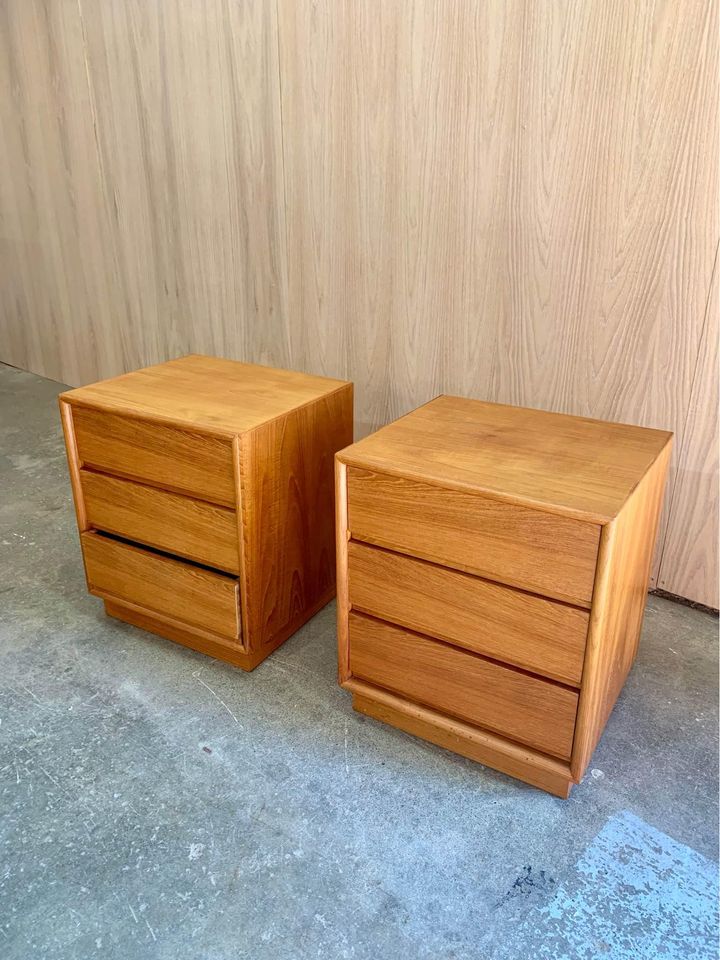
{"x": 156, "y": 803}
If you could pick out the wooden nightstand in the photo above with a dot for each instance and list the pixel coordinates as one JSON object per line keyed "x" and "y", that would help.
{"x": 493, "y": 565}
{"x": 204, "y": 496}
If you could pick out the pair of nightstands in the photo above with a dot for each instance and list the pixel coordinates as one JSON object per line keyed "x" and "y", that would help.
{"x": 492, "y": 562}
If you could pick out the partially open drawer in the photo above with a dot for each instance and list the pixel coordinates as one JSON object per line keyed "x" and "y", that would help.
{"x": 162, "y": 584}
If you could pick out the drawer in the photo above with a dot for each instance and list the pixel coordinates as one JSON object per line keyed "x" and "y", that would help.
{"x": 541, "y": 552}
{"x": 193, "y": 529}
{"x": 527, "y": 709}
{"x": 196, "y": 464}
{"x": 519, "y": 628}
{"x": 163, "y": 585}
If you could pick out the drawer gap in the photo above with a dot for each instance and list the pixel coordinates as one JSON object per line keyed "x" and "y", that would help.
{"x": 371, "y": 545}
{"x": 164, "y": 553}
{"x": 165, "y": 487}
{"x": 470, "y": 653}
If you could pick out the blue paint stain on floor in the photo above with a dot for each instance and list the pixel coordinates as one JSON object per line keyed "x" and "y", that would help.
{"x": 637, "y": 895}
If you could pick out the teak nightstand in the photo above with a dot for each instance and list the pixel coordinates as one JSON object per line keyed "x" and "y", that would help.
{"x": 493, "y": 565}
{"x": 204, "y": 496}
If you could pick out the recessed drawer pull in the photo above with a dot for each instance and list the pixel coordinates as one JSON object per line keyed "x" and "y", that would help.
{"x": 179, "y": 460}
{"x": 537, "y": 634}
{"x": 178, "y": 524}
{"x": 541, "y": 552}
{"x": 527, "y": 709}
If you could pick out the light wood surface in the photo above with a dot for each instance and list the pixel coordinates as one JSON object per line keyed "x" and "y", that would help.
{"x": 212, "y": 394}
{"x": 510, "y": 202}
{"x": 535, "y": 551}
{"x": 180, "y": 460}
{"x": 685, "y": 568}
{"x": 536, "y": 712}
{"x": 74, "y": 464}
{"x": 191, "y": 594}
{"x": 189, "y": 528}
{"x": 508, "y": 625}
{"x": 287, "y": 502}
{"x": 144, "y": 215}
{"x": 237, "y": 477}
{"x": 512, "y": 758}
{"x": 276, "y": 475}
{"x": 573, "y": 466}
{"x": 449, "y": 590}
{"x": 626, "y": 550}
{"x": 341, "y": 564}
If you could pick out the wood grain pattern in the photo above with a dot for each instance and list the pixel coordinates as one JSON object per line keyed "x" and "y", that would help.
{"x": 74, "y": 464}
{"x": 60, "y": 309}
{"x": 626, "y": 551}
{"x": 536, "y": 712}
{"x": 213, "y": 395}
{"x": 341, "y": 558}
{"x": 196, "y": 425}
{"x": 192, "y": 595}
{"x": 414, "y": 621}
{"x": 572, "y": 466}
{"x": 536, "y": 551}
{"x": 181, "y": 460}
{"x": 189, "y": 528}
{"x": 479, "y": 745}
{"x": 508, "y": 625}
{"x": 287, "y": 503}
{"x": 686, "y": 569}
{"x": 514, "y": 200}
{"x": 500, "y": 200}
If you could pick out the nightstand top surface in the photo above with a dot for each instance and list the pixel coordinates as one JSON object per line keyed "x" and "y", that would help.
{"x": 555, "y": 462}
{"x": 223, "y": 396}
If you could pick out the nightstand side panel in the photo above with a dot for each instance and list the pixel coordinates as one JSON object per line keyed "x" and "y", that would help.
{"x": 624, "y": 563}
{"x": 288, "y": 530}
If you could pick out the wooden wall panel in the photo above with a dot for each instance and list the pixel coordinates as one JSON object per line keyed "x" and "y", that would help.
{"x": 615, "y": 228}
{"x": 187, "y": 103}
{"x": 142, "y": 195}
{"x": 55, "y": 303}
{"x": 397, "y": 245}
{"x": 506, "y": 200}
{"x": 689, "y": 565}
{"x": 514, "y": 202}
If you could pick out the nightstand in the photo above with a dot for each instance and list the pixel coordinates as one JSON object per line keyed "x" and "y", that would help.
{"x": 204, "y": 497}
{"x": 493, "y": 565}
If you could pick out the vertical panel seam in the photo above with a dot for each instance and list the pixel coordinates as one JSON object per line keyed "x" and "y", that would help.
{"x": 286, "y": 260}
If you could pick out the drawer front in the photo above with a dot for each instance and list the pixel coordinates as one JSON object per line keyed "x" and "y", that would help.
{"x": 536, "y": 551}
{"x": 536, "y": 712}
{"x": 160, "y": 584}
{"x": 193, "y": 529}
{"x": 518, "y": 628}
{"x": 191, "y": 463}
